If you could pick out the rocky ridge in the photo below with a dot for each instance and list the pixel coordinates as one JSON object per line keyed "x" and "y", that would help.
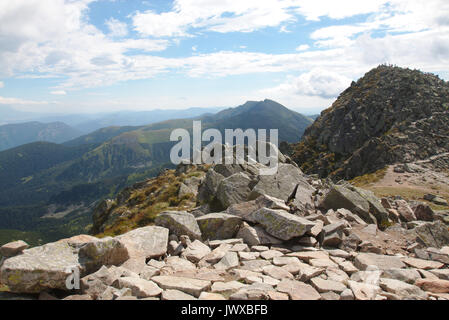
{"x": 391, "y": 115}
{"x": 279, "y": 237}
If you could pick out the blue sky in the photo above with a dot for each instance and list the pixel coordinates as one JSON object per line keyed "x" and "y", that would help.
{"x": 74, "y": 56}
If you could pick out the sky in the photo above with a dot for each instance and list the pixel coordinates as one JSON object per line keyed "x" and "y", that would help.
{"x": 76, "y": 56}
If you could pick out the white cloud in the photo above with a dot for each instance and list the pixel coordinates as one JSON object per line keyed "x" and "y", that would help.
{"x": 117, "y": 28}
{"x": 58, "y": 93}
{"x": 56, "y": 40}
{"x": 17, "y": 101}
{"x": 219, "y": 16}
{"x": 2, "y": 84}
{"x": 318, "y": 82}
{"x": 303, "y": 47}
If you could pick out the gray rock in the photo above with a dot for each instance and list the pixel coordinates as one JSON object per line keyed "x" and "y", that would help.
{"x": 104, "y": 252}
{"x": 405, "y": 275}
{"x": 404, "y": 210}
{"x": 208, "y": 189}
{"x": 190, "y": 286}
{"x": 281, "y": 224}
{"x": 322, "y": 285}
{"x": 13, "y": 248}
{"x": 176, "y": 295}
{"x": 280, "y": 185}
{"x": 196, "y": 251}
{"x": 298, "y": 290}
{"x": 148, "y": 242}
{"x": 341, "y": 197}
{"x": 363, "y": 260}
{"x": 140, "y": 288}
{"x": 347, "y": 295}
{"x": 424, "y": 212}
{"x": 432, "y": 234}
{"x": 41, "y": 268}
{"x": 234, "y": 189}
{"x": 219, "y": 226}
{"x": 254, "y": 236}
{"x": 179, "y": 223}
{"x": 402, "y": 289}
{"x": 227, "y": 287}
{"x": 229, "y": 260}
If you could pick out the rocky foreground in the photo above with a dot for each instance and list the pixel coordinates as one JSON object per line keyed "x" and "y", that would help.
{"x": 280, "y": 237}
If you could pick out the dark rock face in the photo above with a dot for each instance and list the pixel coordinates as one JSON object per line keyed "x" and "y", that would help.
{"x": 390, "y": 115}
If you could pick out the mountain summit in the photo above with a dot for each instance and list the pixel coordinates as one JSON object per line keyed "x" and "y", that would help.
{"x": 266, "y": 114}
{"x": 391, "y": 115}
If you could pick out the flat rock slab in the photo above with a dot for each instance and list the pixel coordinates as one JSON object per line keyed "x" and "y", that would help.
{"x": 281, "y": 224}
{"x": 298, "y": 290}
{"x": 322, "y": 285}
{"x": 363, "y": 260}
{"x": 277, "y": 272}
{"x": 196, "y": 251}
{"x": 309, "y": 255}
{"x": 147, "y": 242}
{"x": 13, "y": 248}
{"x": 40, "y": 268}
{"x": 230, "y": 260}
{"x": 217, "y": 226}
{"x": 364, "y": 291}
{"x": 227, "y": 287}
{"x": 254, "y": 265}
{"x": 190, "y": 286}
{"x": 211, "y": 296}
{"x": 402, "y": 289}
{"x": 442, "y": 274}
{"x": 433, "y": 285}
{"x": 140, "y": 288}
{"x": 422, "y": 264}
{"x": 179, "y": 223}
{"x": 176, "y": 295}
{"x": 270, "y": 254}
{"x": 406, "y": 275}
{"x": 256, "y": 235}
{"x": 216, "y": 243}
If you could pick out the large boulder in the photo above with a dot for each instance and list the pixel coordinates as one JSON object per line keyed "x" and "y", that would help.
{"x": 303, "y": 197}
{"x": 280, "y": 185}
{"x": 41, "y": 268}
{"x": 424, "y": 212}
{"x": 281, "y": 224}
{"x": 364, "y": 260}
{"x": 432, "y": 234}
{"x": 179, "y": 223}
{"x": 375, "y": 205}
{"x": 404, "y": 210}
{"x": 234, "y": 189}
{"x": 104, "y": 252}
{"x": 148, "y": 242}
{"x": 255, "y": 236}
{"x": 13, "y": 248}
{"x": 246, "y": 209}
{"x": 340, "y": 197}
{"x": 208, "y": 189}
{"x": 219, "y": 226}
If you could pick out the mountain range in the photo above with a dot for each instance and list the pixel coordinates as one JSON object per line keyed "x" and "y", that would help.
{"x": 65, "y": 180}
{"x": 13, "y": 135}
